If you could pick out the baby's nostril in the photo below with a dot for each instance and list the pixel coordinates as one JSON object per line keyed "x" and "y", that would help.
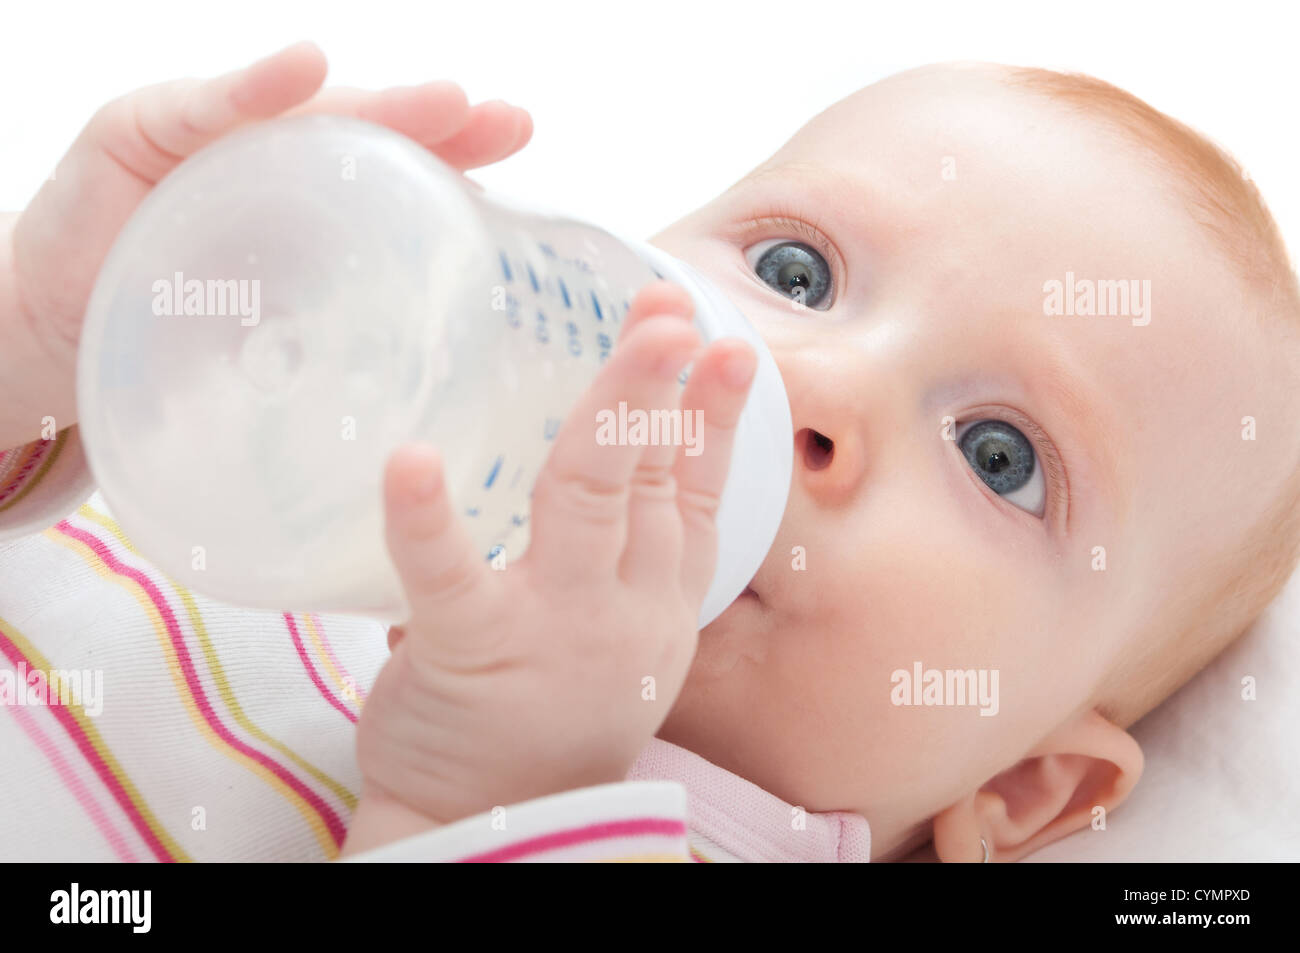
{"x": 817, "y": 448}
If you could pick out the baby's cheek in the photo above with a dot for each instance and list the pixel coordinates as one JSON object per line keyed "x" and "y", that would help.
{"x": 922, "y": 664}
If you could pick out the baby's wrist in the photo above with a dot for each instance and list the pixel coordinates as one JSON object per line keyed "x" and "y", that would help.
{"x": 36, "y": 388}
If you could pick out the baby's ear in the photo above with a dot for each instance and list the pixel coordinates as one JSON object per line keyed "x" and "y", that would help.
{"x": 1055, "y": 790}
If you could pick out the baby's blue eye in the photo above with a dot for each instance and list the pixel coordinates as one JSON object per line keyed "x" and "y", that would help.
{"x": 1004, "y": 459}
{"x": 797, "y": 271}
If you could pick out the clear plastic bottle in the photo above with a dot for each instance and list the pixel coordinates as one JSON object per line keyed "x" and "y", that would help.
{"x": 300, "y": 298}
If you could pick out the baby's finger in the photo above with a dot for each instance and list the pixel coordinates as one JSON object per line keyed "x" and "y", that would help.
{"x": 493, "y": 130}
{"x": 718, "y": 386}
{"x": 580, "y": 499}
{"x": 652, "y": 554}
{"x": 430, "y": 548}
{"x": 429, "y": 113}
{"x": 658, "y": 297}
{"x": 152, "y": 130}
{"x": 525, "y": 131}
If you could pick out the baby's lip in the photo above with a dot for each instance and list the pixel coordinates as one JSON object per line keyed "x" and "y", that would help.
{"x": 748, "y": 600}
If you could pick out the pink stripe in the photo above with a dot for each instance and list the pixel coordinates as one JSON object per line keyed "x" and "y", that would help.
{"x": 311, "y": 670}
{"x": 88, "y": 752}
{"x": 73, "y": 783}
{"x": 329, "y": 654}
{"x": 332, "y": 822}
{"x": 40, "y": 450}
{"x": 623, "y": 849}
{"x": 659, "y": 826}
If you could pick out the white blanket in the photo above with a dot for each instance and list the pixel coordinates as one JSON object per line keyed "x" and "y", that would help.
{"x": 1222, "y": 777}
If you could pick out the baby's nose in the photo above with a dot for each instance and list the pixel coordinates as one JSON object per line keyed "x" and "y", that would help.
{"x": 829, "y": 461}
{"x": 830, "y": 391}
{"x": 814, "y": 448}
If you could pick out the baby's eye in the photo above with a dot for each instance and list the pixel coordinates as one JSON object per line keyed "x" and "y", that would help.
{"x": 796, "y": 270}
{"x": 1004, "y": 459}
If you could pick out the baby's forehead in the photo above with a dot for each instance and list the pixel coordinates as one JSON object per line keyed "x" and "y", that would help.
{"x": 952, "y": 123}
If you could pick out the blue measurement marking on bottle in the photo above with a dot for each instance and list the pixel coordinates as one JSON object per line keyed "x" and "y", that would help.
{"x": 472, "y": 511}
{"x": 532, "y": 277}
{"x": 600, "y": 315}
{"x": 552, "y": 427}
{"x": 543, "y": 335}
{"x": 547, "y": 250}
{"x": 505, "y": 267}
{"x": 492, "y": 553}
{"x": 565, "y": 291}
{"x": 492, "y": 476}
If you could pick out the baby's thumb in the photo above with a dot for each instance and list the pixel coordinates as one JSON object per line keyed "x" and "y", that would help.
{"x": 431, "y": 549}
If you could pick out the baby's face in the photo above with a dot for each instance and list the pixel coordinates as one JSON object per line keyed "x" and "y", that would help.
{"x": 946, "y": 201}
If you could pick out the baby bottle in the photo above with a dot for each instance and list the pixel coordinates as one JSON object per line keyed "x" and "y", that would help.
{"x": 298, "y": 299}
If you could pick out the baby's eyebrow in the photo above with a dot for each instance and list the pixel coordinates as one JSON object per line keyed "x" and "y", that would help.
{"x": 779, "y": 169}
{"x": 849, "y": 194}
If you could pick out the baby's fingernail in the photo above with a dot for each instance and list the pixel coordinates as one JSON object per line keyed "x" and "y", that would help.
{"x": 425, "y": 487}
{"x": 738, "y": 368}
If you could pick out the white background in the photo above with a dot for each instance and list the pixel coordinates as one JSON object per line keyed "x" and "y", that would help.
{"x": 645, "y": 111}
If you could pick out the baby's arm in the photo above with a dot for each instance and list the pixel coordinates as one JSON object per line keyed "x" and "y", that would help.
{"x": 43, "y": 472}
{"x": 30, "y": 387}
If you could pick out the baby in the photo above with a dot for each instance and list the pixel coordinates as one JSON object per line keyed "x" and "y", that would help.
{"x": 939, "y": 210}
{"x": 1042, "y": 350}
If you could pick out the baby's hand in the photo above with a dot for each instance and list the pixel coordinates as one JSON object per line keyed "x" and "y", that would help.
{"x": 61, "y": 240}
{"x": 508, "y": 685}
